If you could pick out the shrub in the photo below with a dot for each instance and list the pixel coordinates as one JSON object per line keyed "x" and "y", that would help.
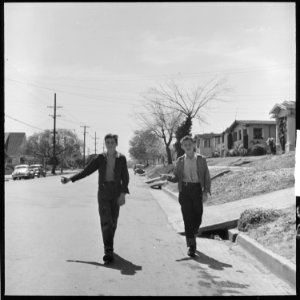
{"x": 241, "y": 150}
{"x": 216, "y": 154}
{"x": 251, "y": 218}
{"x": 233, "y": 152}
{"x": 258, "y": 149}
{"x": 226, "y": 153}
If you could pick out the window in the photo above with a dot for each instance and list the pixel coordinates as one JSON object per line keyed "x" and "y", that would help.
{"x": 206, "y": 143}
{"x": 257, "y": 133}
{"x": 244, "y": 132}
{"x": 235, "y": 136}
{"x": 223, "y": 138}
{"x": 240, "y": 134}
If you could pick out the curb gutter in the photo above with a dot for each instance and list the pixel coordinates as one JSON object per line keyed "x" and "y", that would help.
{"x": 279, "y": 265}
{"x": 172, "y": 194}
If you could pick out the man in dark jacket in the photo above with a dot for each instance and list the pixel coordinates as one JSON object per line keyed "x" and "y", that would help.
{"x": 192, "y": 175}
{"x": 113, "y": 186}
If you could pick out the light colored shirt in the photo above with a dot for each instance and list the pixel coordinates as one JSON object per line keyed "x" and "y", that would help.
{"x": 110, "y": 167}
{"x": 190, "y": 173}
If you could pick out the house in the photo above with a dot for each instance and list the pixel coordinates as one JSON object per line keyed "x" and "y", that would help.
{"x": 285, "y": 116}
{"x": 248, "y": 133}
{"x": 245, "y": 132}
{"x": 14, "y": 147}
{"x": 208, "y": 143}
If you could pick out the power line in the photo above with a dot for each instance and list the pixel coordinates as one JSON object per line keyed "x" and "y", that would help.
{"x": 23, "y": 122}
{"x": 92, "y": 97}
{"x": 73, "y": 117}
{"x": 195, "y": 74}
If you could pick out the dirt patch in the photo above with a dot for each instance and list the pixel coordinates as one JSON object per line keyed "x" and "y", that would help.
{"x": 261, "y": 175}
{"x": 277, "y": 235}
{"x": 264, "y": 162}
{"x": 231, "y": 161}
{"x": 240, "y": 184}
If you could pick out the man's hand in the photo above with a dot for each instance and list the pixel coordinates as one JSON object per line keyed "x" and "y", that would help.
{"x": 204, "y": 197}
{"x": 165, "y": 176}
{"x": 64, "y": 179}
{"x": 121, "y": 199}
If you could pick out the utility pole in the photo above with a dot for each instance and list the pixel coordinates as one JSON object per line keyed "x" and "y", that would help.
{"x": 54, "y": 132}
{"x": 84, "y": 133}
{"x": 95, "y": 138}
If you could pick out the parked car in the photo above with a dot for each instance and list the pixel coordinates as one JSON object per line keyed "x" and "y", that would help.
{"x": 138, "y": 168}
{"x": 22, "y": 171}
{"x": 38, "y": 170}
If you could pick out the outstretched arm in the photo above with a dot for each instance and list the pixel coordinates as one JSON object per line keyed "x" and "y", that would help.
{"x": 88, "y": 170}
{"x": 171, "y": 177}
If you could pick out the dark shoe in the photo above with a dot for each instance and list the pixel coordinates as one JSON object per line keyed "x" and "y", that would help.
{"x": 191, "y": 251}
{"x": 108, "y": 258}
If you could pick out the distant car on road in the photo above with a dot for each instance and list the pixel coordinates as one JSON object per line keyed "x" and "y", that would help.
{"x": 22, "y": 171}
{"x": 38, "y": 170}
{"x": 138, "y": 168}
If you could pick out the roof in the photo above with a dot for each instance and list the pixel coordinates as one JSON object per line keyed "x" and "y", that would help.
{"x": 208, "y": 135}
{"x": 285, "y": 105}
{"x": 250, "y": 122}
{"x": 14, "y": 141}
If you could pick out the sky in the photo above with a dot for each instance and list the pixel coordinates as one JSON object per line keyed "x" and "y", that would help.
{"x": 99, "y": 58}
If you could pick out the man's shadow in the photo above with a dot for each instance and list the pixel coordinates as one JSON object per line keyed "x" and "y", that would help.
{"x": 207, "y": 260}
{"x": 126, "y": 267}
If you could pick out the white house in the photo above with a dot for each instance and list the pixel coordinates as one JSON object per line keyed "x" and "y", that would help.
{"x": 285, "y": 115}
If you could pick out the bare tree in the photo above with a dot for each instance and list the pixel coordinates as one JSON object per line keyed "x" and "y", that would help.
{"x": 160, "y": 120}
{"x": 188, "y": 102}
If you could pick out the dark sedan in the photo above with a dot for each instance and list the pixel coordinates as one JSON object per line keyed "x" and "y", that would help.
{"x": 38, "y": 170}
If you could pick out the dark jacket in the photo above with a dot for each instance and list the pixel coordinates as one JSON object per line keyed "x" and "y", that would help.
{"x": 202, "y": 170}
{"x": 99, "y": 163}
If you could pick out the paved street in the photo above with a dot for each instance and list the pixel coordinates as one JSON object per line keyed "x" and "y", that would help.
{"x": 53, "y": 246}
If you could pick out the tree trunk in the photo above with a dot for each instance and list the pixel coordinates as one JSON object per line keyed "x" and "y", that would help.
{"x": 170, "y": 161}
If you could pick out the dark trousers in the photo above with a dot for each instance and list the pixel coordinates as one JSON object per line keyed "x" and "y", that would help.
{"x": 190, "y": 199}
{"x": 109, "y": 212}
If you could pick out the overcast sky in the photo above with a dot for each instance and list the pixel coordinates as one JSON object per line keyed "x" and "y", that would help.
{"x": 99, "y": 57}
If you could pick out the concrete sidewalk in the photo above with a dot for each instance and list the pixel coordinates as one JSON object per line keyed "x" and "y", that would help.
{"x": 226, "y": 215}
{"x": 253, "y": 274}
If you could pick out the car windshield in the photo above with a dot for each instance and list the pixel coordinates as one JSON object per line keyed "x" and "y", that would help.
{"x": 21, "y": 167}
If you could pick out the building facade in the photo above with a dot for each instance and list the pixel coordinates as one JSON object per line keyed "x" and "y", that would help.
{"x": 208, "y": 144}
{"x": 14, "y": 145}
{"x": 240, "y": 132}
{"x": 248, "y": 133}
{"x": 285, "y": 116}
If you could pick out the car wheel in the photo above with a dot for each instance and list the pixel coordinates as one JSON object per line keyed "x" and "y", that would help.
{"x": 14, "y": 178}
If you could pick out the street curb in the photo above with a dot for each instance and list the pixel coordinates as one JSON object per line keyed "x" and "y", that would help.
{"x": 172, "y": 194}
{"x": 277, "y": 264}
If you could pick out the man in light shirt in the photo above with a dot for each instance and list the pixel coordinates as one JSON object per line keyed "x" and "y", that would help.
{"x": 113, "y": 186}
{"x": 192, "y": 174}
